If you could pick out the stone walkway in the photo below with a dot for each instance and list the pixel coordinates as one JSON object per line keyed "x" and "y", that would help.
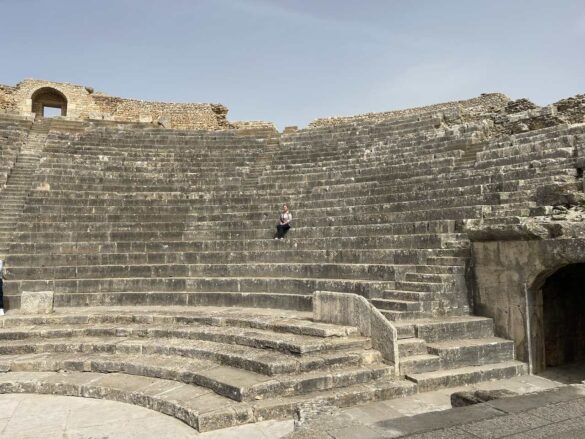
{"x": 544, "y": 407}
{"x": 25, "y": 416}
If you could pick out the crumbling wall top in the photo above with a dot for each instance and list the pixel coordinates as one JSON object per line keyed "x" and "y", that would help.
{"x": 486, "y": 103}
{"x": 84, "y": 103}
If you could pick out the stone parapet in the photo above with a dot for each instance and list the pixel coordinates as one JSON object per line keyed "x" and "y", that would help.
{"x": 355, "y": 310}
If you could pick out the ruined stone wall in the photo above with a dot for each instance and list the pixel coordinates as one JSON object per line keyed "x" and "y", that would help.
{"x": 486, "y": 103}
{"x": 79, "y": 102}
{"x": 252, "y": 124}
{"x": 6, "y": 98}
{"x": 169, "y": 115}
{"x": 509, "y": 117}
{"x": 572, "y": 110}
{"x": 84, "y": 104}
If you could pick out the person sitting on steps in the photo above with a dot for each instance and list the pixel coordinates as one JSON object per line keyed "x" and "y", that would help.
{"x": 283, "y": 222}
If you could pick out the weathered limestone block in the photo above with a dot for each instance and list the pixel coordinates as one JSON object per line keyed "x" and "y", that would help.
{"x": 36, "y": 302}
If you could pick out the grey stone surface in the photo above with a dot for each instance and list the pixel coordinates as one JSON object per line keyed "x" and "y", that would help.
{"x": 36, "y": 302}
{"x": 56, "y": 417}
{"x": 504, "y": 425}
{"x": 541, "y": 406}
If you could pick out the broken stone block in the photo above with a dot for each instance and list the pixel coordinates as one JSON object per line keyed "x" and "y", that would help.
{"x": 164, "y": 121}
{"x": 465, "y": 398}
{"x": 36, "y": 302}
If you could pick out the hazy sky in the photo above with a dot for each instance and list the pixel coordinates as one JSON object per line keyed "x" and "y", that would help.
{"x": 293, "y": 61}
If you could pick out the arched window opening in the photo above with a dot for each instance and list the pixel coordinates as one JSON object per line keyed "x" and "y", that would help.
{"x": 49, "y": 102}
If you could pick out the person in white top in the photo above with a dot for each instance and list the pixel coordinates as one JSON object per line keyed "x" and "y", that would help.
{"x": 283, "y": 222}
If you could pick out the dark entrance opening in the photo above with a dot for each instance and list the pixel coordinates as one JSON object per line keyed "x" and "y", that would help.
{"x": 563, "y": 305}
{"x": 49, "y": 102}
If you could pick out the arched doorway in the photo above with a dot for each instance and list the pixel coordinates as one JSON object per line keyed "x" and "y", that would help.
{"x": 49, "y": 102}
{"x": 563, "y": 321}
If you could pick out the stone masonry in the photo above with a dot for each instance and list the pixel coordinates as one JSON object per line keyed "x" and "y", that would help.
{"x": 84, "y": 103}
{"x": 415, "y": 234}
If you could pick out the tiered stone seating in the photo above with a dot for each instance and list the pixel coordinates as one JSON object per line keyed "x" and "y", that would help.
{"x": 212, "y": 367}
{"x": 129, "y": 217}
{"x": 16, "y": 168}
{"x": 13, "y": 134}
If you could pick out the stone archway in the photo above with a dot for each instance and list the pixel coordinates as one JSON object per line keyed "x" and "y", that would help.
{"x": 563, "y": 311}
{"x": 48, "y": 97}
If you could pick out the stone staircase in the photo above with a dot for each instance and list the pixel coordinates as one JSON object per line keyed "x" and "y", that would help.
{"x": 454, "y": 351}
{"x": 18, "y": 185}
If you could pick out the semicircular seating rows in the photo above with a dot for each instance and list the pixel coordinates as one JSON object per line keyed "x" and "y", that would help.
{"x": 172, "y": 294}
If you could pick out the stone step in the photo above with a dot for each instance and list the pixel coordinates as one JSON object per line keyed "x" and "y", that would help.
{"x": 422, "y": 287}
{"x": 322, "y": 231}
{"x": 145, "y": 253}
{"x": 451, "y": 328}
{"x": 397, "y": 305}
{"x": 297, "y": 322}
{"x": 382, "y": 158}
{"x": 396, "y": 316}
{"x": 124, "y": 242}
{"x": 198, "y": 407}
{"x": 257, "y": 338}
{"x": 428, "y": 381}
{"x": 311, "y": 270}
{"x": 377, "y": 214}
{"x": 521, "y": 212}
{"x": 306, "y": 171}
{"x": 447, "y": 260}
{"x": 258, "y": 360}
{"x": 337, "y": 191}
{"x": 220, "y": 196}
{"x": 408, "y": 347}
{"x": 236, "y": 384}
{"x": 184, "y": 184}
{"x": 417, "y": 277}
{"x": 420, "y": 363}
{"x": 472, "y": 352}
{"x": 263, "y": 212}
{"x": 275, "y": 285}
{"x": 401, "y": 296}
{"x": 397, "y": 200}
{"x": 93, "y": 162}
{"x": 440, "y": 269}
{"x": 260, "y": 300}
{"x": 177, "y": 241}
{"x": 322, "y": 158}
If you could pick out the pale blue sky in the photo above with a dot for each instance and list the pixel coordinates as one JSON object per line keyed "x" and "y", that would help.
{"x": 292, "y": 61}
